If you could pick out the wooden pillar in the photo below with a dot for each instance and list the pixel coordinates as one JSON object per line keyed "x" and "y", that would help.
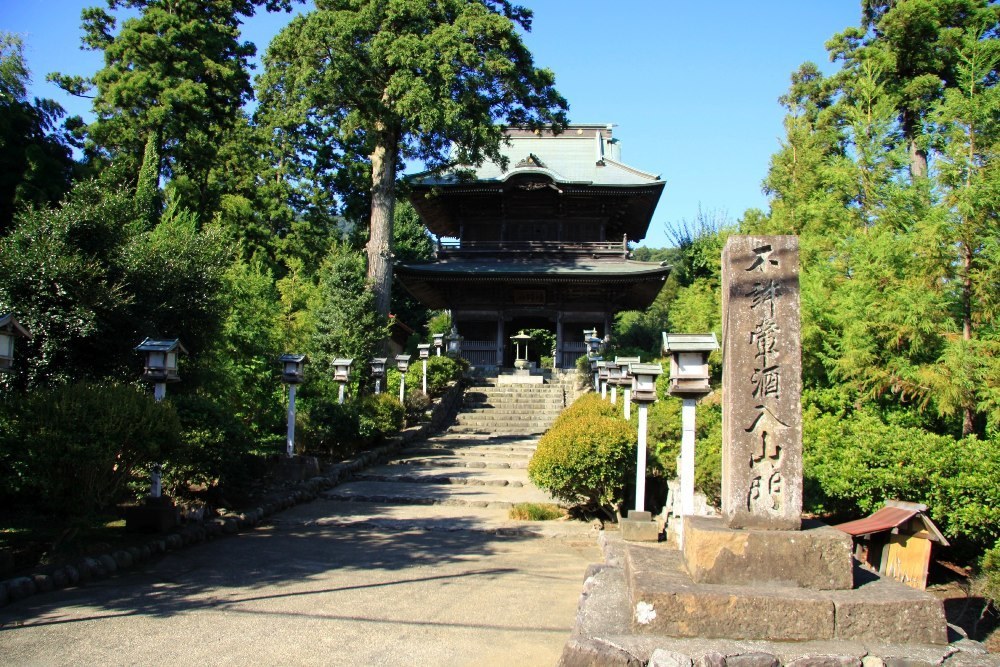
{"x": 557, "y": 356}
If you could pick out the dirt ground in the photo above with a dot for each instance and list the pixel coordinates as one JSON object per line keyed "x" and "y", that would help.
{"x": 963, "y": 607}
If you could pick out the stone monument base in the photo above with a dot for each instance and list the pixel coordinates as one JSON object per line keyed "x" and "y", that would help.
{"x": 817, "y": 557}
{"x": 154, "y": 515}
{"x": 665, "y": 601}
{"x": 639, "y": 527}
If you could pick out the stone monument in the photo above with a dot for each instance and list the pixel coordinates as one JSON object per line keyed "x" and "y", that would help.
{"x": 761, "y": 383}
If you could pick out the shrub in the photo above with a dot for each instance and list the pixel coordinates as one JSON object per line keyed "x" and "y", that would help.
{"x": 84, "y": 443}
{"x": 417, "y": 403}
{"x": 378, "y": 416}
{"x": 585, "y": 458}
{"x": 331, "y": 429}
{"x": 535, "y": 512}
{"x": 586, "y": 405}
{"x": 440, "y": 371}
{"x": 584, "y": 378}
{"x": 987, "y": 583}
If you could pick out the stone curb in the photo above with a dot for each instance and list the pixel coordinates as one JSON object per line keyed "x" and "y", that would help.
{"x": 95, "y": 568}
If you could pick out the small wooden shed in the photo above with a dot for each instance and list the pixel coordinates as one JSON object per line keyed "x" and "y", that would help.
{"x": 896, "y": 540}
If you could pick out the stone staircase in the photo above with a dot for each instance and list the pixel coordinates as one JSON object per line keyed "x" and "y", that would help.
{"x": 468, "y": 477}
{"x": 510, "y": 409}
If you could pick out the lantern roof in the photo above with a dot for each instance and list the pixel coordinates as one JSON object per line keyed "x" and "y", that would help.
{"x": 343, "y": 362}
{"x": 295, "y": 358}
{"x": 689, "y": 342}
{"x": 647, "y": 369}
{"x": 11, "y": 325}
{"x": 162, "y": 345}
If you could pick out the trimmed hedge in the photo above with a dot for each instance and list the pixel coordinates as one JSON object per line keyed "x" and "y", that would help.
{"x": 586, "y": 457}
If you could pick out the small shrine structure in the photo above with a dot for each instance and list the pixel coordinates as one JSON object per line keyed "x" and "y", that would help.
{"x": 542, "y": 243}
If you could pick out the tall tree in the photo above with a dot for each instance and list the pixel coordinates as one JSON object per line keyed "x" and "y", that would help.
{"x": 178, "y": 72}
{"x": 913, "y": 43}
{"x": 35, "y": 160}
{"x": 402, "y": 80}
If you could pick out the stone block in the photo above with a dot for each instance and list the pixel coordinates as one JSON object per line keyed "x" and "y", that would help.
{"x": 817, "y": 557}
{"x": 639, "y": 527}
{"x": 664, "y": 600}
{"x": 584, "y": 652}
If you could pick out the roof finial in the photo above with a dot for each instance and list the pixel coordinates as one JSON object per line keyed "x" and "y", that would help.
{"x": 600, "y": 148}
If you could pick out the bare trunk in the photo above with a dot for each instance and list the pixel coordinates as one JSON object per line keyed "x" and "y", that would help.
{"x": 969, "y": 412}
{"x": 918, "y": 161}
{"x": 379, "y": 247}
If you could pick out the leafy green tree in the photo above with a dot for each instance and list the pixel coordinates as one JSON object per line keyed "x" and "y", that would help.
{"x": 35, "y": 161}
{"x": 912, "y": 43}
{"x": 383, "y": 82}
{"x": 175, "y": 71}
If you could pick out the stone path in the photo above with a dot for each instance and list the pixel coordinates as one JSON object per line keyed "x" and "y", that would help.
{"x": 411, "y": 563}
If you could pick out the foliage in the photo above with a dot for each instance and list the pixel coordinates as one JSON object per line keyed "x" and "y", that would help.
{"x": 585, "y": 458}
{"x": 331, "y": 429}
{"x": 417, "y": 403}
{"x": 35, "y": 161}
{"x": 988, "y": 579}
{"x": 84, "y": 443}
{"x": 535, "y": 512}
{"x": 90, "y": 284}
{"x": 401, "y": 81}
{"x": 440, "y": 372}
{"x": 854, "y": 462}
{"x": 379, "y": 415}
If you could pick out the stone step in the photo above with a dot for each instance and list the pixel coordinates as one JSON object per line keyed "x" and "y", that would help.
{"x": 431, "y": 449}
{"x": 459, "y": 462}
{"x": 467, "y": 453}
{"x": 430, "y": 494}
{"x": 443, "y": 518}
{"x": 513, "y": 411}
{"x": 435, "y": 475}
{"x": 487, "y": 430}
{"x": 487, "y": 418}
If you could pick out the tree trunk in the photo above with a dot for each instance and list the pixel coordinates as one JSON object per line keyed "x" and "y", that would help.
{"x": 918, "y": 161}
{"x": 969, "y": 412}
{"x": 379, "y": 246}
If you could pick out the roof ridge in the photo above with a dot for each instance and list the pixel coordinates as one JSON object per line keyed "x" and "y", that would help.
{"x": 634, "y": 170}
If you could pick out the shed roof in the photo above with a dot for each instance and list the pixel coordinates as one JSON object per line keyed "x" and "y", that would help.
{"x": 894, "y": 514}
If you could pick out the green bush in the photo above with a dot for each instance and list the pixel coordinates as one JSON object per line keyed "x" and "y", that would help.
{"x": 585, "y": 406}
{"x": 331, "y": 429}
{"x": 379, "y": 416}
{"x": 854, "y": 462}
{"x": 84, "y": 444}
{"x": 535, "y": 512}
{"x": 218, "y": 450}
{"x": 440, "y": 371}
{"x": 417, "y": 404}
{"x": 586, "y": 457}
{"x": 988, "y": 580}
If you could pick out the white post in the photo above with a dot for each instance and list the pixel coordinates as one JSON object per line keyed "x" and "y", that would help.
{"x": 640, "y": 463}
{"x": 155, "y": 487}
{"x": 628, "y": 403}
{"x": 340, "y": 394}
{"x": 604, "y": 390}
{"x": 290, "y": 441}
{"x": 378, "y": 385}
{"x": 614, "y": 394}
{"x": 425, "y": 375}
{"x": 402, "y": 387}
{"x": 597, "y": 381}
{"x": 687, "y": 460}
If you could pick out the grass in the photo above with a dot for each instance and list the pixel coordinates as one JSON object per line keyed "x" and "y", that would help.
{"x": 536, "y": 512}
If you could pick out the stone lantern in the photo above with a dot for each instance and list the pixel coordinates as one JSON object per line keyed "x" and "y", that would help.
{"x": 521, "y": 355}
{"x": 424, "y": 352}
{"x": 438, "y": 343}
{"x": 402, "y": 365}
{"x": 378, "y": 372}
{"x": 689, "y": 372}
{"x": 342, "y": 375}
{"x": 10, "y": 329}
{"x": 161, "y": 363}
{"x": 643, "y": 392}
{"x": 625, "y": 381}
{"x": 292, "y": 374}
{"x": 592, "y": 341}
{"x": 614, "y": 376}
{"x": 454, "y": 343}
{"x": 689, "y": 379}
{"x": 593, "y": 369}
{"x": 602, "y": 377}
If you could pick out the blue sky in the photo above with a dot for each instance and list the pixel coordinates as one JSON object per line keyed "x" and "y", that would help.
{"x": 692, "y": 87}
